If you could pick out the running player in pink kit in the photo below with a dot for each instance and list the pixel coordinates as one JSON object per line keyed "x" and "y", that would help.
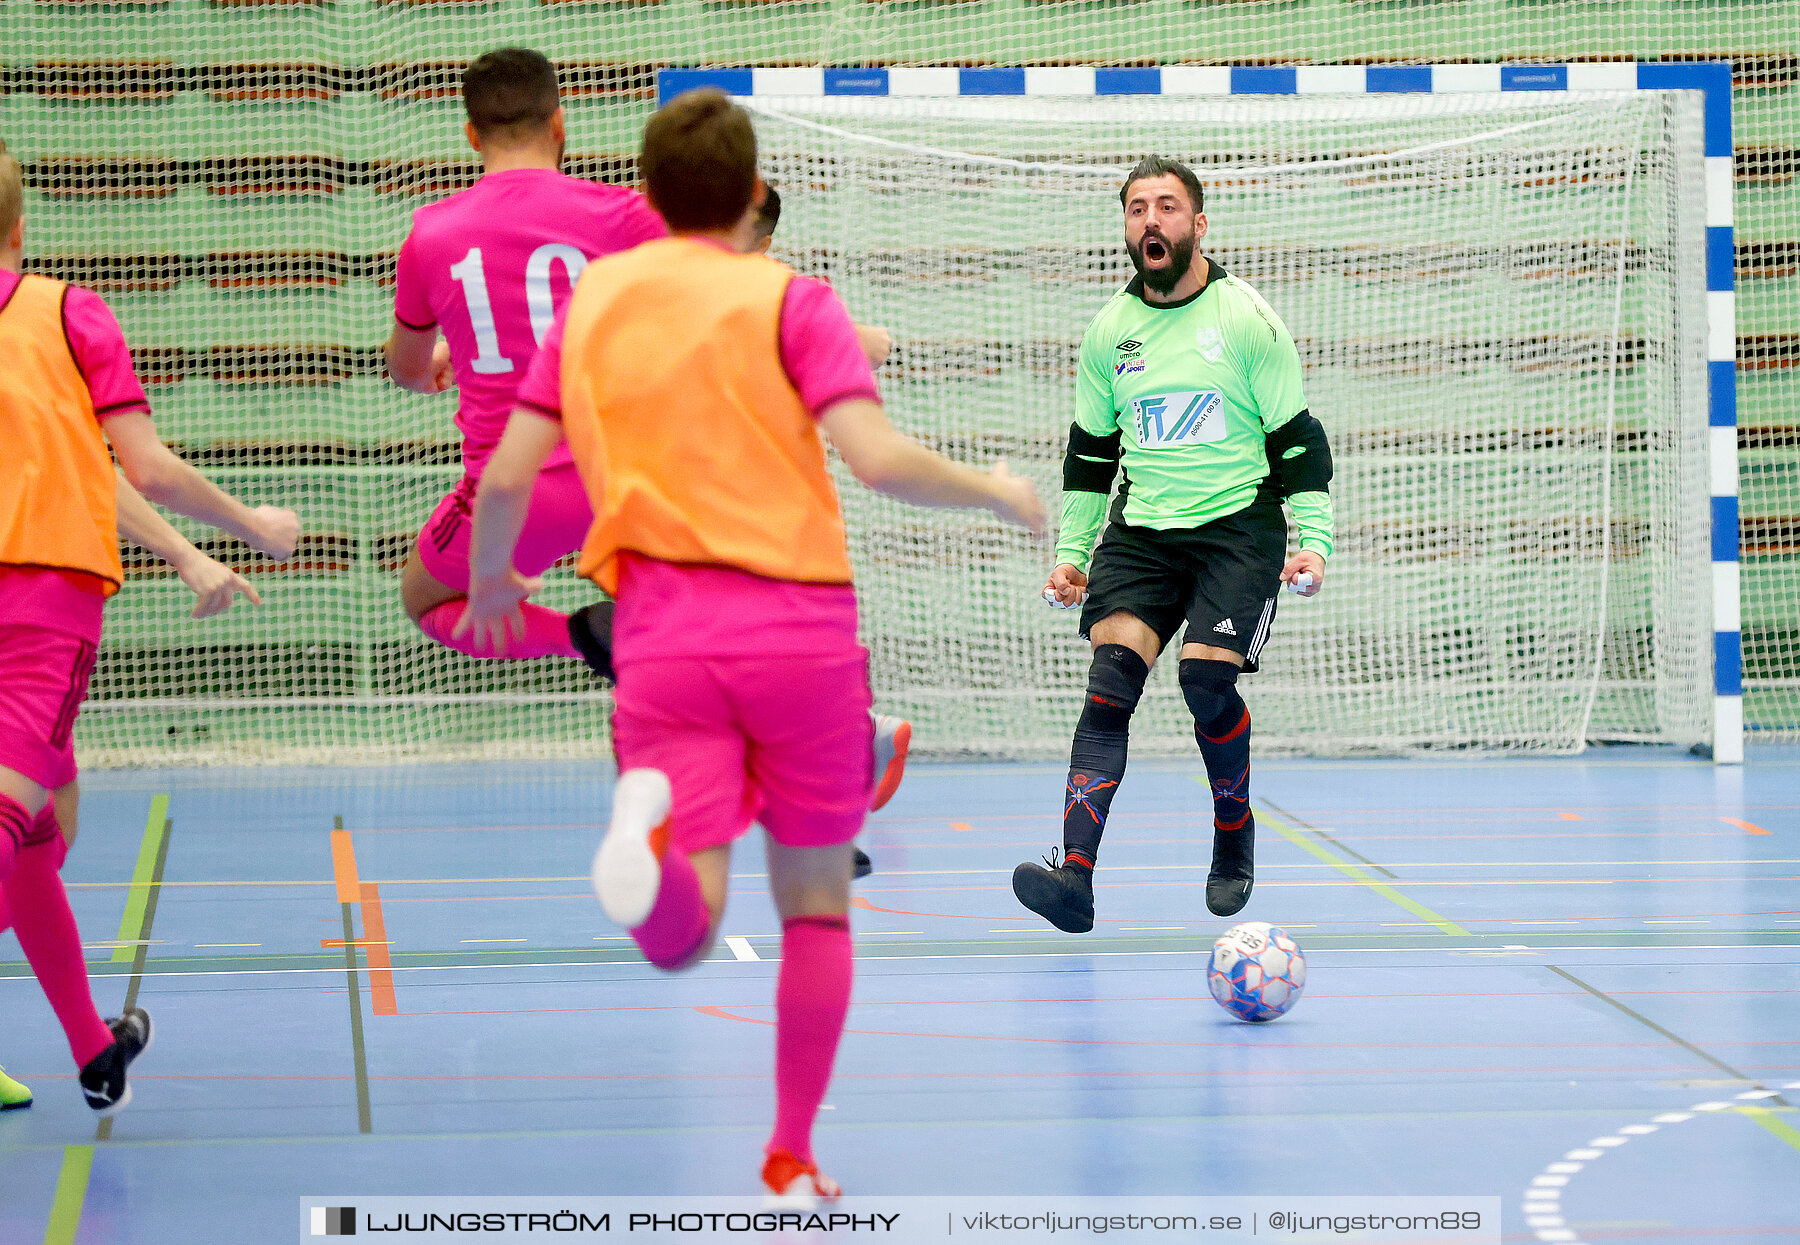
{"x": 692, "y": 381}
{"x": 68, "y": 376}
{"x": 489, "y": 268}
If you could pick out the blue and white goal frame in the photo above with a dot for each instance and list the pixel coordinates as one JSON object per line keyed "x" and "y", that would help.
{"x": 1711, "y": 79}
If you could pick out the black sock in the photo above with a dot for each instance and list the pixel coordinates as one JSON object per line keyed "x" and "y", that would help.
{"x": 1097, "y": 758}
{"x": 591, "y": 632}
{"x": 1222, "y": 729}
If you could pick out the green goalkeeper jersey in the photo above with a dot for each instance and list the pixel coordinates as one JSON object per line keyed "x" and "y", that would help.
{"x": 1194, "y": 388}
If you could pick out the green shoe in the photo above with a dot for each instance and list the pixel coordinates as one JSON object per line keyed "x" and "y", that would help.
{"x": 13, "y": 1095}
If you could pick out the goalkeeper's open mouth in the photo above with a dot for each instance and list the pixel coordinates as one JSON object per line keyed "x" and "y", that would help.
{"x": 1155, "y": 249}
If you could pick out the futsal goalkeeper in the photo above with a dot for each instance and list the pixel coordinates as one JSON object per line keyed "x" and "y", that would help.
{"x": 693, "y": 382}
{"x": 1191, "y": 382}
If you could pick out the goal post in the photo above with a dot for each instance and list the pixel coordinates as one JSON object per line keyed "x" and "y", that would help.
{"x": 1512, "y": 290}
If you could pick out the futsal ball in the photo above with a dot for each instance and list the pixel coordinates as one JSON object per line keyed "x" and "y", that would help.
{"x": 1257, "y": 971}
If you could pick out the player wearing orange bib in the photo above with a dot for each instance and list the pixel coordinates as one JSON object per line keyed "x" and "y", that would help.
{"x": 692, "y": 382}
{"x": 66, "y": 391}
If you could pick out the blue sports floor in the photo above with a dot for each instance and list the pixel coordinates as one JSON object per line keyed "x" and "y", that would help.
{"x": 1573, "y": 984}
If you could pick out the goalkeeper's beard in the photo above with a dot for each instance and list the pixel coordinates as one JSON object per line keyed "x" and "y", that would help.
{"x": 1181, "y": 258}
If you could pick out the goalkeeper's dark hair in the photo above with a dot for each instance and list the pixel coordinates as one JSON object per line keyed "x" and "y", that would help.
{"x": 1162, "y": 166}
{"x": 510, "y": 93}
{"x": 769, "y": 214}
{"x": 698, "y": 161}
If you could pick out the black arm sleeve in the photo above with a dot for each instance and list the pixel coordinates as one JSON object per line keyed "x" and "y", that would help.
{"x": 1299, "y": 458}
{"x": 1091, "y": 463}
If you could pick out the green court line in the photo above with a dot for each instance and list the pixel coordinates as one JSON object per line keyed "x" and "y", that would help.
{"x": 358, "y": 1051}
{"x": 71, "y": 1195}
{"x": 1601, "y": 1116}
{"x": 1027, "y": 943}
{"x": 1444, "y": 924}
{"x": 1781, "y": 1128}
{"x": 1651, "y": 1025}
{"x": 131, "y": 925}
{"x": 140, "y": 952}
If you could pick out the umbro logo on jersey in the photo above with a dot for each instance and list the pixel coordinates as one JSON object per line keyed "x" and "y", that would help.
{"x": 1129, "y": 345}
{"x": 1225, "y": 628}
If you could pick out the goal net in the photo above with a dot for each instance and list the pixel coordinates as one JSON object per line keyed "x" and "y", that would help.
{"x": 1499, "y": 302}
{"x": 1498, "y": 299}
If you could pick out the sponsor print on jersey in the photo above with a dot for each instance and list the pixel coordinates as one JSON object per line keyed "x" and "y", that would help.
{"x": 1211, "y": 343}
{"x": 1188, "y": 417}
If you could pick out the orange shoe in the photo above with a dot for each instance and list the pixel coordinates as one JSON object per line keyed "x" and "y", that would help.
{"x": 799, "y": 1183}
{"x": 893, "y": 736}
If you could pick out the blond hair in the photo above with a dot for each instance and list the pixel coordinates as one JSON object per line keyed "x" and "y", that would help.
{"x": 12, "y": 192}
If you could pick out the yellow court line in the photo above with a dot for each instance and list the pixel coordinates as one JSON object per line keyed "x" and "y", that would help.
{"x": 1381, "y": 888}
{"x": 71, "y": 1195}
{"x": 137, "y": 899}
{"x": 1781, "y": 1128}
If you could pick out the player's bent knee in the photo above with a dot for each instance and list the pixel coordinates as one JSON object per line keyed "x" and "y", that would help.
{"x": 67, "y": 799}
{"x": 1207, "y": 686}
{"x": 1126, "y": 628}
{"x": 1115, "y": 685}
{"x": 420, "y": 591}
{"x": 700, "y": 951}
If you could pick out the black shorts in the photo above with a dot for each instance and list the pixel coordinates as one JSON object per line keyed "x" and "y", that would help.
{"x": 1221, "y": 579}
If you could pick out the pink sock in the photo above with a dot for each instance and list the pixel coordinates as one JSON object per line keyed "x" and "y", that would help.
{"x": 52, "y": 944}
{"x": 812, "y": 997}
{"x": 679, "y": 919}
{"x": 59, "y": 852}
{"x": 15, "y": 828}
{"x": 546, "y": 633}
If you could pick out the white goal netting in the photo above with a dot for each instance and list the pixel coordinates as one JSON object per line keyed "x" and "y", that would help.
{"x": 1499, "y": 302}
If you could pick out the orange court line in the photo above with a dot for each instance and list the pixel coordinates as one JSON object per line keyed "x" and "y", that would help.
{"x": 343, "y": 866}
{"x": 1743, "y": 825}
{"x": 1570, "y": 816}
{"x": 381, "y": 969}
{"x": 962, "y": 826}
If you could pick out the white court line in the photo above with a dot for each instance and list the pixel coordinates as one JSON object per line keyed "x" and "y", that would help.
{"x": 30, "y": 980}
{"x": 1542, "y": 1205}
{"x": 741, "y": 948}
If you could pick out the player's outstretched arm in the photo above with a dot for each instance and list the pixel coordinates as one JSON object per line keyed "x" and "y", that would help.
{"x": 876, "y": 342}
{"x": 418, "y": 360}
{"x": 496, "y": 589}
{"x": 159, "y": 474}
{"x": 888, "y": 462}
{"x": 214, "y": 585}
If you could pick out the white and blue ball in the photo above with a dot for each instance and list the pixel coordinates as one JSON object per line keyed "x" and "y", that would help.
{"x": 1257, "y": 971}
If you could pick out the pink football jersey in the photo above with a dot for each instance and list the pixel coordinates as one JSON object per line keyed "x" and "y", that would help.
{"x": 491, "y": 267}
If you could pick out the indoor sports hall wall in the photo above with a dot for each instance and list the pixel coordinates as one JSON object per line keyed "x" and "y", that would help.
{"x": 236, "y": 177}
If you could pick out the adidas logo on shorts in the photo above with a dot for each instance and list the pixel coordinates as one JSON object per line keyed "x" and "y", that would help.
{"x": 1225, "y": 628}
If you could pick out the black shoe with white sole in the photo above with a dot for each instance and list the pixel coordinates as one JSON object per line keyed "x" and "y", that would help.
{"x": 103, "y": 1080}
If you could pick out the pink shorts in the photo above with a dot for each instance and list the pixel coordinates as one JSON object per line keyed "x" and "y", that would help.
{"x": 555, "y": 527}
{"x": 785, "y": 741}
{"x": 43, "y": 680}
